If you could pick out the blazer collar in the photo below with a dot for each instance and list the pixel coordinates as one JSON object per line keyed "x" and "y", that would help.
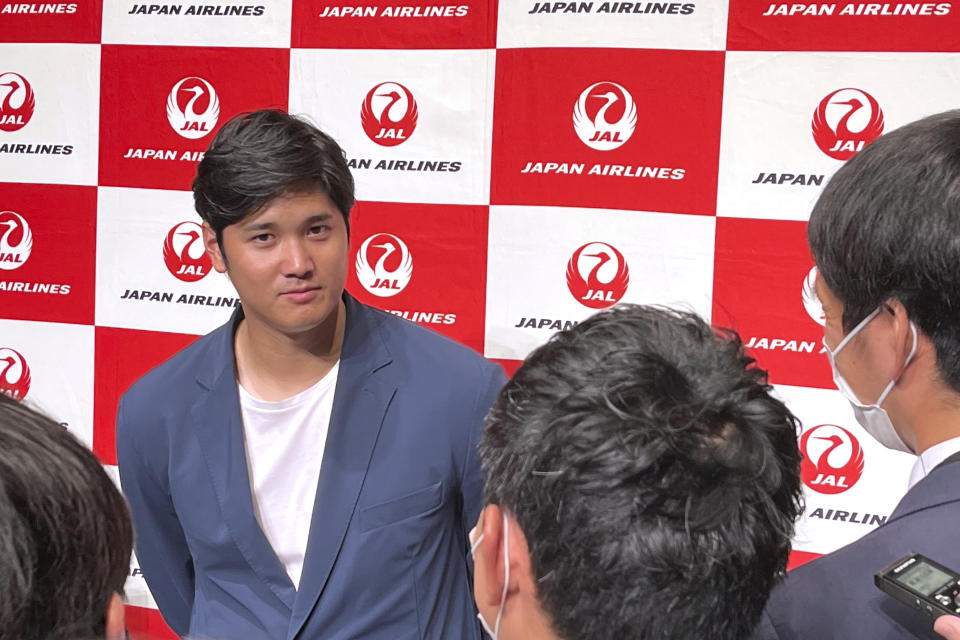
{"x": 364, "y": 390}
{"x": 938, "y": 487}
{"x": 366, "y": 386}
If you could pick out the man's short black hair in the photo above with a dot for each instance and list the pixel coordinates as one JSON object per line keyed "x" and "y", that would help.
{"x": 65, "y": 532}
{"x": 887, "y": 226}
{"x": 655, "y": 478}
{"x": 259, "y": 156}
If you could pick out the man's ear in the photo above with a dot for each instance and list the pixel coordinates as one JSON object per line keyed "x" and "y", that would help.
{"x": 489, "y": 555}
{"x": 212, "y": 247}
{"x": 115, "y": 622}
{"x": 902, "y": 335}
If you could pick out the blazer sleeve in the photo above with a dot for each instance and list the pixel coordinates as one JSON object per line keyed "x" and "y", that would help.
{"x": 472, "y": 483}
{"x": 160, "y": 543}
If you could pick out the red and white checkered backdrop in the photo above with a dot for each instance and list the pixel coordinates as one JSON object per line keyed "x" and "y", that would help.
{"x": 519, "y": 165}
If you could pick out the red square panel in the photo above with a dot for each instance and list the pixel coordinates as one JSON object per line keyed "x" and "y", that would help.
{"x": 48, "y": 240}
{"x": 426, "y": 263}
{"x": 147, "y": 624}
{"x": 762, "y": 288}
{"x": 387, "y": 24}
{"x": 121, "y": 357}
{"x": 50, "y": 21}
{"x": 155, "y": 126}
{"x": 850, "y": 25}
{"x": 621, "y": 129}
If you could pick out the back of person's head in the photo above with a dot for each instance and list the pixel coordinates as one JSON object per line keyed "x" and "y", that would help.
{"x": 65, "y": 533}
{"x": 259, "y": 156}
{"x": 887, "y": 226}
{"x": 654, "y": 477}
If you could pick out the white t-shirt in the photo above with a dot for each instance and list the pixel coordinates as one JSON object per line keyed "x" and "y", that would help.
{"x": 284, "y": 443}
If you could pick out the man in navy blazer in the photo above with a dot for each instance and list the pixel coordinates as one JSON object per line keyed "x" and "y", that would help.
{"x": 885, "y": 235}
{"x": 309, "y": 469}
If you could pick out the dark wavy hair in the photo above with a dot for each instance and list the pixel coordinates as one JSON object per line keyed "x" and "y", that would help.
{"x": 887, "y": 226}
{"x": 258, "y": 156}
{"x": 655, "y": 477}
{"x": 65, "y": 532}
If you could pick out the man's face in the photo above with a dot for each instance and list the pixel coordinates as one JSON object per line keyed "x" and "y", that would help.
{"x": 860, "y": 361}
{"x": 288, "y": 261}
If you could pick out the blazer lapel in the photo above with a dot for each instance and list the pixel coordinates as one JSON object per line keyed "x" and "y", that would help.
{"x": 219, "y": 428}
{"x": 363, "y": 394}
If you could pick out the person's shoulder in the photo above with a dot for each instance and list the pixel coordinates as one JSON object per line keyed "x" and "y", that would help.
{"x": 176, "y": 376}
{"x": 424, "y": 349}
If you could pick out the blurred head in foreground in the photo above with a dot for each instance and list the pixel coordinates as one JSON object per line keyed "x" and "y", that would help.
{"x": 65, "y": 534}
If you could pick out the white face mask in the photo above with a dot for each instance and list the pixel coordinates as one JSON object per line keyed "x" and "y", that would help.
{"x": 506, "y": 578}
{"x": 872, "y": 417}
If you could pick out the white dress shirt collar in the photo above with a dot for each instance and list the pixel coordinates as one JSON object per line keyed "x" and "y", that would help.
{"x": 930, "y": 458}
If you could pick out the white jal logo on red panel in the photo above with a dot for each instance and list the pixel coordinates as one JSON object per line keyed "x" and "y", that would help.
{"x": 832, "y": 459}
{"x": 16, "y": 240}
{"x": 845, "y": 121}
{"x": 184, "y": 253}
{"x": 604, "y": 116}
{"x": 193, "y": 107}
{"x": 18, "y": 101}
{"x": 597, "y": 275}
{"x": 389, "y": 114}
{"x": 14, "y": 374}
{"x": 392, "y": 265}
{"x": 811, "y": 302}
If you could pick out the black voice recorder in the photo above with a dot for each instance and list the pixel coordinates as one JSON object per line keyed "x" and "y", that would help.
{"x": 919, "y": 582}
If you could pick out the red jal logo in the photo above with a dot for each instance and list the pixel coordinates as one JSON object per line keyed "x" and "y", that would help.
{"x": 389, "y": 114}
{"x": 845, "y": 121}
{"x": 195, "y": 116}
{"x": 832, "y": 459}
{"x": 18, "y": 101}
{"x": 184, "y": 253}
{"x": 14, "y": 374}
{"x": 392, "y": 269}
{"x": 597, "y": 275}
{"x": 604, "y": 116}
{"x": 16, "y": 240}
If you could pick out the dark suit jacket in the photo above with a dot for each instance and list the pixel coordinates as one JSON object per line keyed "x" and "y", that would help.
{"x": 399, "y": 488}
{"x": 835, "y": 597}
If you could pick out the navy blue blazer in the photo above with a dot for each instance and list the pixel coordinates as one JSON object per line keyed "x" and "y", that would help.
{"x": 835, "y": 597}
{"x": 399, "y": 488}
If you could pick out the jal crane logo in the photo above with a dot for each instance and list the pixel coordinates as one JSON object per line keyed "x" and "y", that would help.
{"x": 597, "y": 275}
{"x": 845, "y": 121}
{"x": 16, "y": 240}
{"x": 811, "y": 302}
{"x": 18, "y": 103}
{"x": 392, "y": 265}
{"x": 604, "y": 116}
{"x": 389, "y": 114}
{"x": 832, "y": 459}
{"x": 184, "y": 253}
{"x": 182, "y": 111}
{"x": 14, "y": 374}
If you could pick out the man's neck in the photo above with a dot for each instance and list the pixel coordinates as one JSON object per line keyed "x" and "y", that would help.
{"x": 274, "y": 366}
{"x": 934, "y": 417}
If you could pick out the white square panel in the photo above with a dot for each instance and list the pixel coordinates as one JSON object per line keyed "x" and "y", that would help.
{"x": 770, "y": 164}
{"x": 57, "y": 140}
{"x": 196, "y": 22}
{"x": 136, "y": 289}
{"x": 669, "y": 260}
{"x": 58, "y": 359}
{"x": 434, "y": 109}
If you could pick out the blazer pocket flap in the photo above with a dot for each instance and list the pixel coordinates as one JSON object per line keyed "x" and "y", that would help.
{"x": 412, "y": 504}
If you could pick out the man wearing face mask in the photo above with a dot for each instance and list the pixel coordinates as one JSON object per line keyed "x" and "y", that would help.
{"x": 641, "y": 484}
{"x": 885, "y": 235}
